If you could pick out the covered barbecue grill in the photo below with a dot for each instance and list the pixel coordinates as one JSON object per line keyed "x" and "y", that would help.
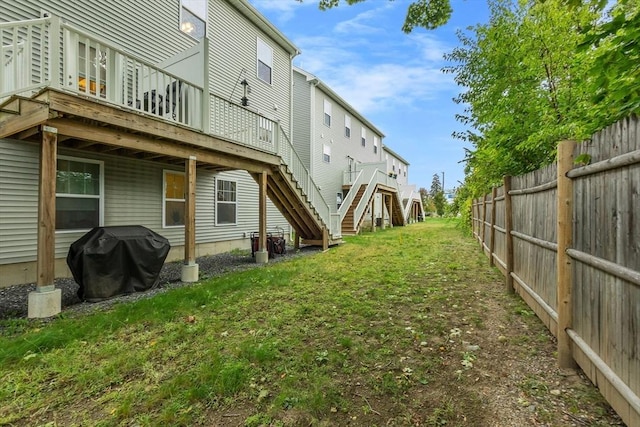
{"x": 111, "y": 261}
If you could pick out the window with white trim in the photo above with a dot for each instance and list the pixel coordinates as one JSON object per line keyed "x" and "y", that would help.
{"x": 363, "y": 137}
{"x": 393, "y": 165}
{"x": 326, "y": 153}
{"x": 193, "y": 18}
{"x": 327, "y": 113}
{"x": 173, "y": 199}
{"x": 375, "y": 144}
{"x": 347, "y": 126}
{"x": 79, "y": 193}
{"x": 226, "y": 202}
{"x": 264, "y": 61}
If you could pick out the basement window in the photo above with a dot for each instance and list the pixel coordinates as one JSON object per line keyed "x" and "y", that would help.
{"x": 174, "y": 199}
{"x": 226, "y": 202}
{"x": 79, "y": 193}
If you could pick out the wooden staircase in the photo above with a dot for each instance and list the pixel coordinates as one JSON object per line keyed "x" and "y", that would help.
{"x": 349, "y": 226}
{"x": 287, "y": 195}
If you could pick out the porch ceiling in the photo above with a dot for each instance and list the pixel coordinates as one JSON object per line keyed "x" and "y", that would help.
{"x": 90, "y": 125}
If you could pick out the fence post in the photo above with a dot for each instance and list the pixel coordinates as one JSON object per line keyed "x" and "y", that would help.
{"x": 508, "y": 225}
{"x": 482, "y": 222}
{"x": 492, "y": 230}
{"x": 564, "y": 272}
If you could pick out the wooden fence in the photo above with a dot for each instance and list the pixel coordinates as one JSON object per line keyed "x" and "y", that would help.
{"x": 567, "y": 239}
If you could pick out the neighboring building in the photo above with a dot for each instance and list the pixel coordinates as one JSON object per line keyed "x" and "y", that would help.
{"x": 345, "y": 155}
{"x": 118, "y": 113}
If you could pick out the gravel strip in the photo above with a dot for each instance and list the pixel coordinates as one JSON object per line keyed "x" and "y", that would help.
{"x": 14, "y": 299}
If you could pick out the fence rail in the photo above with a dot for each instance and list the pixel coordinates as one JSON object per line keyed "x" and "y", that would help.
{"x": 567, "y": 239}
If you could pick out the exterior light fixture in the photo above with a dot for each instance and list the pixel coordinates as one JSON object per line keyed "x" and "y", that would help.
{"x": 245, "y": 85}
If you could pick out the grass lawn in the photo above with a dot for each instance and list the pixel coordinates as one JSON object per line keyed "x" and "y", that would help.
{"x": 405, "y": 326}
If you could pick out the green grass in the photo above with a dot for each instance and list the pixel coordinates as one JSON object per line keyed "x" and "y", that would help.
{"x": 342, "y": 336}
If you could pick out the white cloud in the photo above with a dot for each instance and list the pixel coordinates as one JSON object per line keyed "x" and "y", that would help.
{"x": 286, "y": 9}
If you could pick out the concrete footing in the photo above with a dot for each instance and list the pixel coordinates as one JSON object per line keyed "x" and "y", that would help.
{"x": 262, "y": 257}
{"x": 189, "y": 273}
{"x": 45, "y": 301}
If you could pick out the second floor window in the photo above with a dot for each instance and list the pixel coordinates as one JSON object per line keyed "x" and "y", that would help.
{"x": 347, "y": 126}
{"x": 375, "y": 145}
{"x": 265, "y": 61}
{"x": 327, "y": 113}
{"x": 193, "y": 18}
{"x": 363, "y": 137}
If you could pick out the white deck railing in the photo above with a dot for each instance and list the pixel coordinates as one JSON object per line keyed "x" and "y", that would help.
{"x": 47, "y": 52}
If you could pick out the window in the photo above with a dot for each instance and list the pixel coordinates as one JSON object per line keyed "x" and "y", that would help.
{"x": 265, "y": 61}
{"x": 393, "y": 166}
{"x": 347, "y": 126}
{"x": 79, "y": 189}
{"x": 174, "y": 199}
{"x": 375, "y": 145}
{"x": 327, "y": 113}
{"x": 193, "y": 18}
{"x": 326, "y": 154}
{"x": 226, "y": 204}
{"x": 363, "y": 137}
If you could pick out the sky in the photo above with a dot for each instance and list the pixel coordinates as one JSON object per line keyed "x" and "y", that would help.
{"x": 391, "y": 78}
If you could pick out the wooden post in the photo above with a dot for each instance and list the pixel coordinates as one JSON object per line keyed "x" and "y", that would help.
{"x": 492, "y": 231}
{"x": 508, "y": 220}
{"x": 190, "y": 270}
{"x": 296, "y": 240}
{"x": 564, "y": 265}
{"x": 373, "y": 213}
{"x": 46, "y": 300}
{"x": 482, "y": 221}
{"x": 47, "y": 208}
{"x": 382, "y": 209}
{"x": 190, "y": 212}
{"x": 390, "y": 211}
{"x": 325, "y": 239}
{"x": 262, "y": 218}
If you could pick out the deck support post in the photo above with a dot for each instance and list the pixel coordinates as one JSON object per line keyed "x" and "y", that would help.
{"x": 564, "y": 264}
{"x": 190, "y": 268}
{"x": 382, "y": 209}
{"x": 390, "y": 211}
{"x": 262, "y": 255}
{"x": 373, "y": 213}
{"x": 46, "y": 300}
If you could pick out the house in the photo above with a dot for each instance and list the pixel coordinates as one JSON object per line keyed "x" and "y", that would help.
{"x": 176, "y": 117}
{"x": 346, "y": 157}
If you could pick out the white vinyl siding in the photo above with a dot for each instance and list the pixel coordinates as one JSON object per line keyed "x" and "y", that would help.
{"x": 327, "y": 113}
{"x": 265, "y": 61}
{"x": 19, "y": 196}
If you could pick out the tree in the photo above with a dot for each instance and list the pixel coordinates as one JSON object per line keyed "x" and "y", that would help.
{"x": 429, "y": 14}
{"x": 525, "y": 90}
{"x": 437, "y": 195}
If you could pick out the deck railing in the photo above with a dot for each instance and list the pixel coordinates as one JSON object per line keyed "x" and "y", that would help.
{"x": 47, "y": 52}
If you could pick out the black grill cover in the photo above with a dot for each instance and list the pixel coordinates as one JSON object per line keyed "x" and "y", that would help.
{"x": 111, "y": 261}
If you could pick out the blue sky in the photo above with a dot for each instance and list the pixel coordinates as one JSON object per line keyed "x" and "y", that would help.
{"x": 393, "y": 79}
